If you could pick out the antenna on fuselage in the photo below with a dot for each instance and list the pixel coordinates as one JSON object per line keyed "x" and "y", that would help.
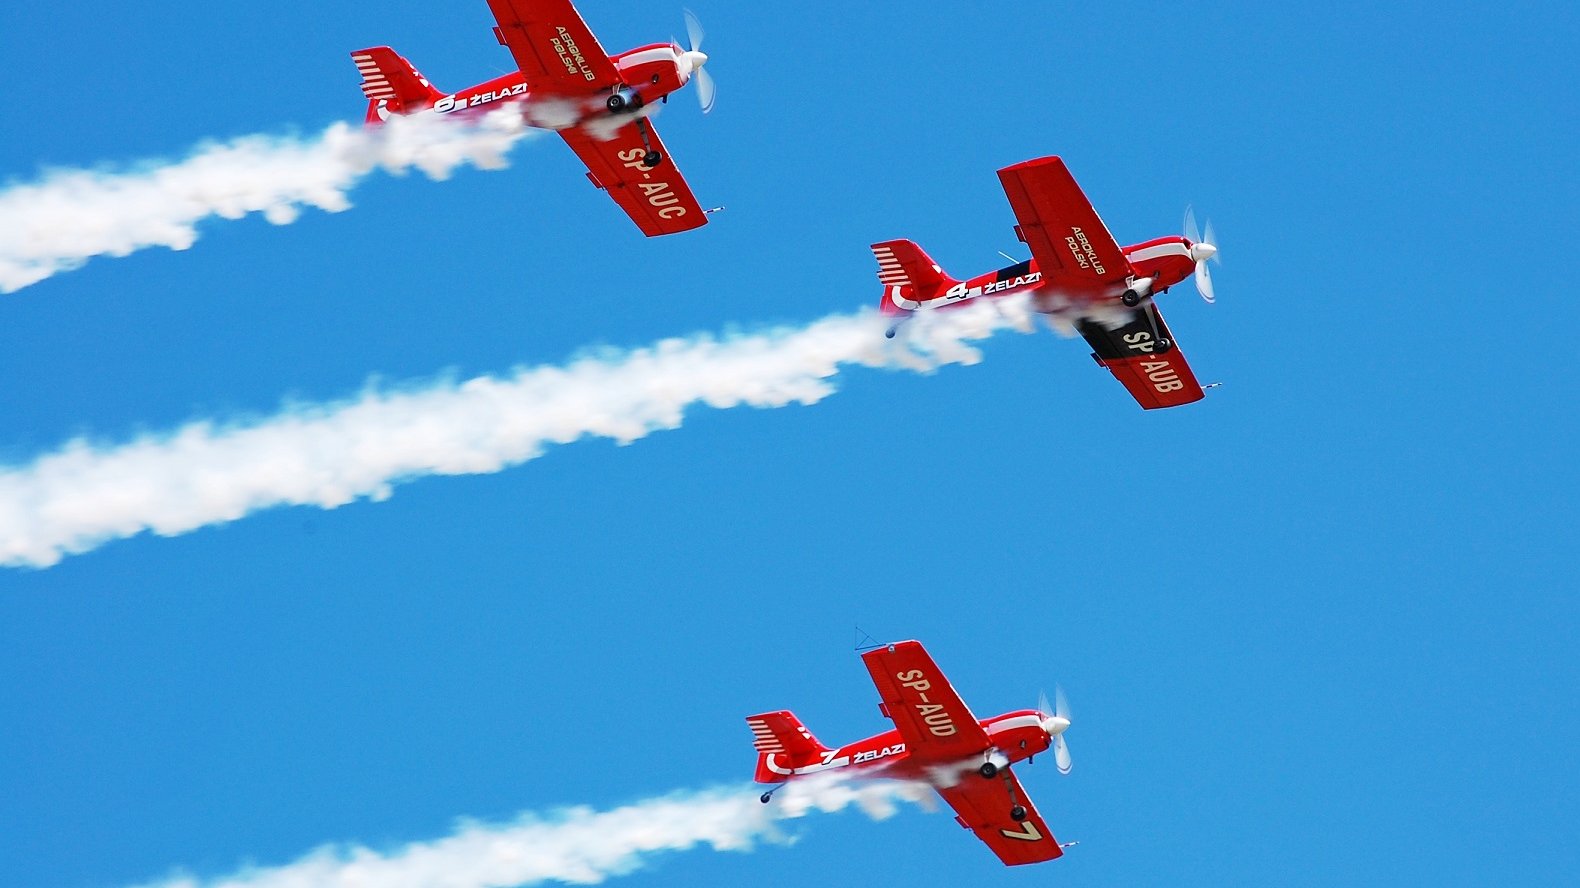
{"x": 865, "y": 642}
{"x": 1008, "y": 256}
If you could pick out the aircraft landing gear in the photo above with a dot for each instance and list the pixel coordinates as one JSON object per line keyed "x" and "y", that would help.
{"x": 988, "y": 770}
{"x": 652, "y": 158}
{"x": 1017, "y": 813}
{"x": 1137, "y": 290}
{"x": 624, "y": 100}
{"x": 766, "y": 797}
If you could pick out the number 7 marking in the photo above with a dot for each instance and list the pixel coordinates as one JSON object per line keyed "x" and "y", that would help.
{"x": 1030, "y": 833}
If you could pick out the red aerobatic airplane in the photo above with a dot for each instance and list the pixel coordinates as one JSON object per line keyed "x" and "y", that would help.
{"x": 566, "y": 82}
{"x": 1076, "y": 267}
{"x": 937, "y": 739}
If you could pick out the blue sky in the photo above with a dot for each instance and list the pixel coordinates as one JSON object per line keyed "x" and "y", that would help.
{"x": 1316, "y": 628}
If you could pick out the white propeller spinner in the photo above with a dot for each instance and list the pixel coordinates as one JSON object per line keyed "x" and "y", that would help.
{"x": 693, "y": 60}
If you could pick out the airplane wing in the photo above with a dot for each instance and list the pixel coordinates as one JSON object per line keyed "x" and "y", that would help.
{"x": 1073, "y": 249}
{"x": 658, "y": 200}
{"x": 551, "y": 44}
{"x": 983, "y": 807}
{"x": 934, "y": 722}
{"x": 1156, "y": 376}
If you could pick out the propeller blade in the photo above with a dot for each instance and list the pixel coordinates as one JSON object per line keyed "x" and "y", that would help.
{"x": 705, "y": 89}
{"x": 1204, "y": 283}
{"x": 1212, "y": 239}
{"x": 1192, "y": 233}
{"x": 1061, "y": 712}
{"x": 694, "y": 31}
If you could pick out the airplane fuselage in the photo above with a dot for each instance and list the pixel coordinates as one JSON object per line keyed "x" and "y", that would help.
{"x": 1016, "y": 736}
{"x": 1166, "y": 260}
{"x": 650, "y": 73}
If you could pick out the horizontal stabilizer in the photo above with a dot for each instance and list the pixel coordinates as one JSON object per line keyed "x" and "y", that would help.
{"x": 392, "y": 82}
{"x": 901, "y": 263}
{"x": 781, "y": 733}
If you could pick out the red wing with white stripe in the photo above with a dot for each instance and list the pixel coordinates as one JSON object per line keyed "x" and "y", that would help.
{"x": 1074, "y": 251}
{"x": 657, "y": 198}
{"x": 1143, "y": 356}
{"x": 936, "y": 725}
{"x": 553, "y": 47}
{"x": 986, "y": 808}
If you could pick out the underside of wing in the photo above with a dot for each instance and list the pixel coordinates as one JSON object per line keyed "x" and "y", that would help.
{"x": 935, "y": 723}
{"x": 1143, "y": 356}
{"x": 656, "y": 198}
{"x": 1074, "y": 251}
{"x": 987, "y": 808}
{"x": 553, "y": 47}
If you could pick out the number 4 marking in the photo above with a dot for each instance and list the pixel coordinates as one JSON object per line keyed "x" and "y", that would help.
{"x": 1029, "y": 833}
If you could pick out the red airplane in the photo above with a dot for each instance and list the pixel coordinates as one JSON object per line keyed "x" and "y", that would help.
{"x": 936, "y": 739}
{"x": 566, "y": 82}
{"x": 1078, "y": 270}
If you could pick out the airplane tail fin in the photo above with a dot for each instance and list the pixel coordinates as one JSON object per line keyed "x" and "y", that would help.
{"x": 782, "y": 743}
{"x": 909, "y": 276}
{"x": 392, "y": 84}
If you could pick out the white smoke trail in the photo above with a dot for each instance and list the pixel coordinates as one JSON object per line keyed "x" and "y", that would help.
{"x": 579, "y": 846}
{"x": 204, "y": 473}
{"x": 72, "y": 215}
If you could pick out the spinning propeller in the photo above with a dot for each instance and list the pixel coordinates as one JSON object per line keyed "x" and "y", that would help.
{"x": 1203, "y": 247}
{"x": 692, "y": 60}
{"x": 1056, "y": 724}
